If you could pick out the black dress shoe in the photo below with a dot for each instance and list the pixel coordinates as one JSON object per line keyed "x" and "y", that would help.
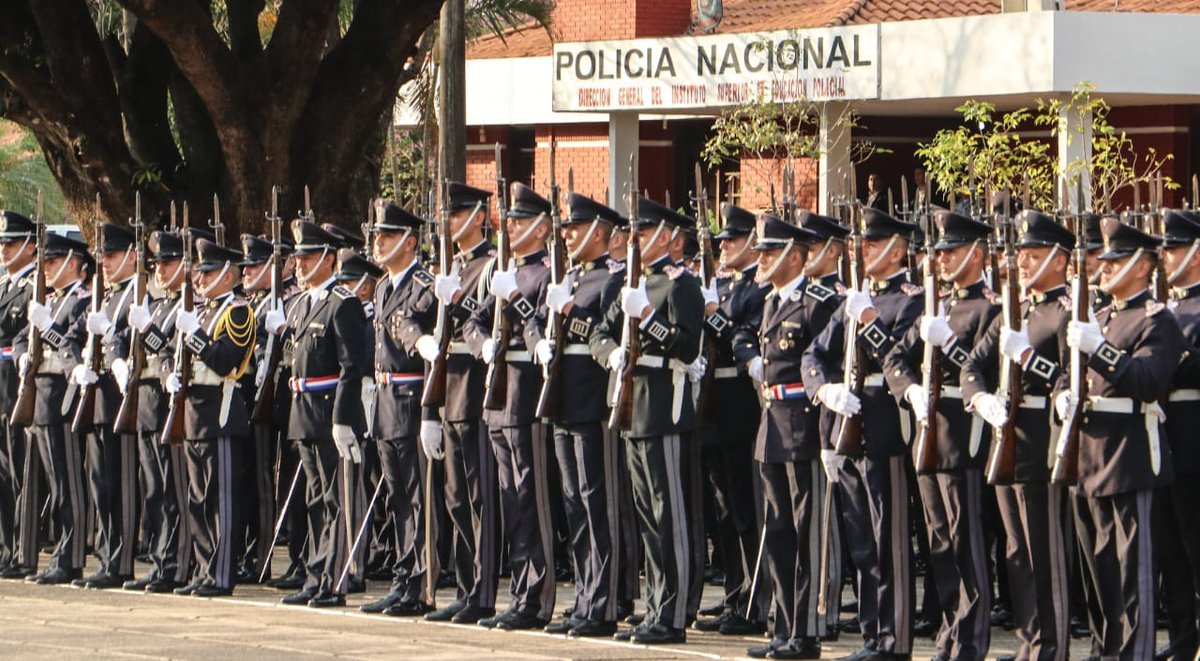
{"x": 521, "y": 622}
{"x": 356, "y": 586}
{"x": 387, "y": 601}
{"x": 762, "y": 652}
{"x": 299, "y": 598}
{"x": 17, "y": 572}
{"x": 561, "y": 626}
{"x": 627, "y": 635}
{"x": 862, "y": 654}
{"x": 657, "y": 634}
{"x": 713, "y": 623}
{"x": 850, "y": 606}
{"x": 797, "y": 648}
{"x": 1006, "y": 657}
{"x": 245, "y": 576}
{"x": 289, "y": 582}
{"x": 212, "y": 591}
{"x": 924, "y": 629}
{"x": 494, "y": 619}
{"x": 59, "y": 576}
{"x": 737, "y": 625}
{"x": 408, "y": 609}
{"x": 188, "y": 589}
{"x": 1079, "y": 628}
{"x": 1184, "y": 648}
{"x": 162, "y": 586}
{"x": 106, "y": 582}
{"x": 636, "y": 619}
{"x": 712, "y": 611}
{"x": 446, "y": 613}
{"x": 138, "y": 585}
{"x": 624, "y": 609}
{"x": 592, "y": 629}
{"x": 472, "y": 615}
{"x": 327, "y": 600}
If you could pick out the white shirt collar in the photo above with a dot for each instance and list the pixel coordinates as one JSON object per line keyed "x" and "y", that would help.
{"x": 785, "y": 292}
{"x": 315, "y": 292}
{"x": 400, "y": 276}
{"x": 21, "y": 273}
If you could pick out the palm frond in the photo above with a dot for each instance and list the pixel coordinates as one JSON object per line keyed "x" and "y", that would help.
{"x": 497, "y": 17}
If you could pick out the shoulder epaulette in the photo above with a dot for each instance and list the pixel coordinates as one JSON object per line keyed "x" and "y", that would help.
{"x": 424, "y": 277}
{"x": 818, "y": 291}
{"x": 342, "y": 292}
{"x": 910, "y": 289}
{"x": 1153, "y": 307}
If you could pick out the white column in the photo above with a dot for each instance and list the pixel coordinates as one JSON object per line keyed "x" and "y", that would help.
{"x": 623, "y": 140}
{"x": 835, "y": 155}
{"x": 1074, "y": 154}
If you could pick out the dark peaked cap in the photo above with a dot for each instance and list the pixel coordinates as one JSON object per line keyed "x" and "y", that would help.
{"x": 463, "y": 196}
{"x": 524, "y": 202}
{"x": 583, "y": 209}
{"x": 823, "y": 226}
{"x": 879, "y": 225}
{"x": 1122, "y": 240}
{"x": 1037, "y": 230}
{"x": 774, "y": 233}
{"x": 1181, "y": 228}
{"x": 737, "y": 222}
{"x": 955, "y": 230}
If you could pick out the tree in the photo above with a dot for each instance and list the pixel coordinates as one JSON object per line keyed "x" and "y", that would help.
{"x": 181, "y": 98}
{"x": 23, "y": 173}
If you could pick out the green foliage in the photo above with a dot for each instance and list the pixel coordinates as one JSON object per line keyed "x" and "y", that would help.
{"x": 23, "y": 172}
{"x": 496, "y": 17}
{"x": 405, "y": 176}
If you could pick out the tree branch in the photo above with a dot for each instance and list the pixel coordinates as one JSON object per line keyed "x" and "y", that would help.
{"x": 296, "y": 47}
{"x": 243, "y": 27}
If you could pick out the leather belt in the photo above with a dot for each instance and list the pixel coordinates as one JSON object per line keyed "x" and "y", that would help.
{"x": 1152, "y": 414}
{"x": 1034, "y": 402}
{"x": 952, "y": 392}
{"x": 577, "y": 350}
{"x": 726, "y": 373}
{"x": 398, "y": 378}
{"x": 313, "y": 384}
{"x": 518, "y": 356}
{"x": 678, "y": 379}
{"x": 203, "y": 376}
{"x": 150, "y": 371}
{"x": 873, "y": 380}
{"x": 458, "y": 347}
{"x": 1185, "y": 395}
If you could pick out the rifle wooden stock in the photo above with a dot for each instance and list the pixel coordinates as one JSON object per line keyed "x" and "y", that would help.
{"x": 849, "y": 439}
{"x": 433, "y": 394}
{"x": 264, "y": 396}
{"x": 126, "y": 420}
{"x": 496, "y": 381}
{"x": 1066, "y": 452}
{"x": 931, "y": 371}
{"x": 85, "y": 410}
{"x": 706, "y": 409}
{"x": 1002, "y": 464}
{"x": 23, "y": 406}
{"x": 550, "y": 397}
{"x": 621, "y": 417}
{"x": 173, "y": 430}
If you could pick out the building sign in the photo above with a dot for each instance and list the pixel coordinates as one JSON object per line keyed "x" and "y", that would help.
{"x": 680, "y": 73}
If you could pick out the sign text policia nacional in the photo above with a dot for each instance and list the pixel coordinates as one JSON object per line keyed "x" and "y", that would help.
{"x": 675, "y": 73}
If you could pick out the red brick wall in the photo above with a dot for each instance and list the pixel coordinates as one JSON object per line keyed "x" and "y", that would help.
{"x": 581, "y": 149}
{"x": 757, "y": 175}
{"x": 587, "y": 20}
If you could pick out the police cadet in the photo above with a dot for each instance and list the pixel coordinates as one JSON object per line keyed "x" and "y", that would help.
{"x": 404, "y": 311}
{"x": 518, "y": 439}
{"x": 325, "y": 326}
{"x": 952, "y": 489}
{"x": 460, "y": 437}
{"x": 163, "y": 465}
{"x": 1133, "y": 346}
{"x": 733, "y": 313}
{"x": 17, "y": 254}
{"x": 58, "y": 450}
{"x": 1177, "y": 523}
{"x": 112, "y": 457}
{"x": 788, "y": 447}
{"x": 1031, "y": 508}
{"x": 669, "y": 308}
{"x": 587, "y": 459}
{"x": 219, "y": 341}
{"x": 873, "y": 489}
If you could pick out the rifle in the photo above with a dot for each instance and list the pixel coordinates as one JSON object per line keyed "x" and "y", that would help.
{"x": 85, "y": 411}
{"x": 497, "y": 372}
{"x": 1002, "y": 464}
{"x": 996, "y": 241}
{"x": 434, "y": 394}
{"x": 550, "y": 397}
{"x": 705, "y": 405}
{"x": 931, "y": 370}
{"x": 1157, "y": 223}
{"x": 264, "y": 398}
{"x": 849, "y": 440}
{"x": 621, "y": 417}
{"x": 126, "y": 421}
{"x": 1066, "y": 451}
{"x": 22, "y": 413}
{"x": 217, "y": 226}
{"x": 173, "y": 429}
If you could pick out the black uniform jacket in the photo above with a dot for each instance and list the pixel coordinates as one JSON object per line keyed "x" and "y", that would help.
{"x": 221, "y": 347}
{"x": 15, "y": 294}
{"x": 464, "y": 371}
{"x": 969, "y": 311}
{"x": 898, "y": 304}
{"x": 118, "y": 298}
{"x": 158, "y": 341}
{"x": 1183, "y": 416}
{"x": 62, "y": 351}
{"x": 734, "y": 327}
{"x": 403, "y": 313}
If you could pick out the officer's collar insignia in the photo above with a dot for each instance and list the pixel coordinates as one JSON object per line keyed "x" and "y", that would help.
{"x": 615, "y": 266}
{"x": 795, "y": 295}
{"x": 1153, "y": 307}
{"x": 323, "y": 295}
{"x": 910, "y": 289}
{"x": 673, "y": 272}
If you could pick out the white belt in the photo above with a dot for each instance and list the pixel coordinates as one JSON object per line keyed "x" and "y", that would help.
{"x": 726, "y": 373}
{"x": 953, "y": 392}
{"x": 52, "y": 363}
{"x": 1034, "y": 402}
{"x": 1152, "y": 414}
{"x": 660, "y": 362}
{"x": 873, "y": 380}
{"x": 150, "y": 371}
{"x": 1185, "y": 395}
{"x": 518, "y": 356}
{"x": 577, "y": 350}
{"x": 458, "y": 347}
{"x": 203, "y": 376}
{"x": 678, "y": 379}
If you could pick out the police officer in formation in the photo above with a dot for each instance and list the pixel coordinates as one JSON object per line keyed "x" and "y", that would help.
{"x": 788, "y": 486}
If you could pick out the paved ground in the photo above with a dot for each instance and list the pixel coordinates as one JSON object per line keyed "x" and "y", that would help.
{"x": 66, "y": 623}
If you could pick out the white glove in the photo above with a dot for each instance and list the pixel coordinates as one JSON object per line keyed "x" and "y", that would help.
{"x": 634, "y": 300}
{"x": 838, "y": 398}
{"x": 23, "y": 364}
{"x": 347, "y": 444}
{"x": 427, "y": 347}
{"x": 616, "y": 359}
{"x": 858, "y": 302}
{"x": 120, "y": 372}
{"x": 543, "y": 351}
{"x": 919, "y": 400}
{"x": 1084, "y": 335}
{"x": 98, "y": 323}
{"x": 755, "y": 369}
{"x": 504, "y": 283}
{"x": 990, "y": 408}
{"x": 696, "y": 368}
{"x": 431, "y": 440}
{"x": 83, "y": 376}
{"x": 139, "y": 317}
{"x": 260, "y": 374}
{"x": 1064, "y": 403}
{"x": 558, "y": 296}
{"x": 1014, "y": 344}
{"x": 936, "y": 331}
{"x": 187, "y": 322}
{"x": 710, "y": 294}
{"x": 173, "y": 385}
{"x": 832, "y": 463}
{"x": 445, "y": 287}
{"x": 276, "y": 321}
{"x": 39, "y": 316}
{"x": 488, "y": 350}
{"x": 368, "y": 393}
